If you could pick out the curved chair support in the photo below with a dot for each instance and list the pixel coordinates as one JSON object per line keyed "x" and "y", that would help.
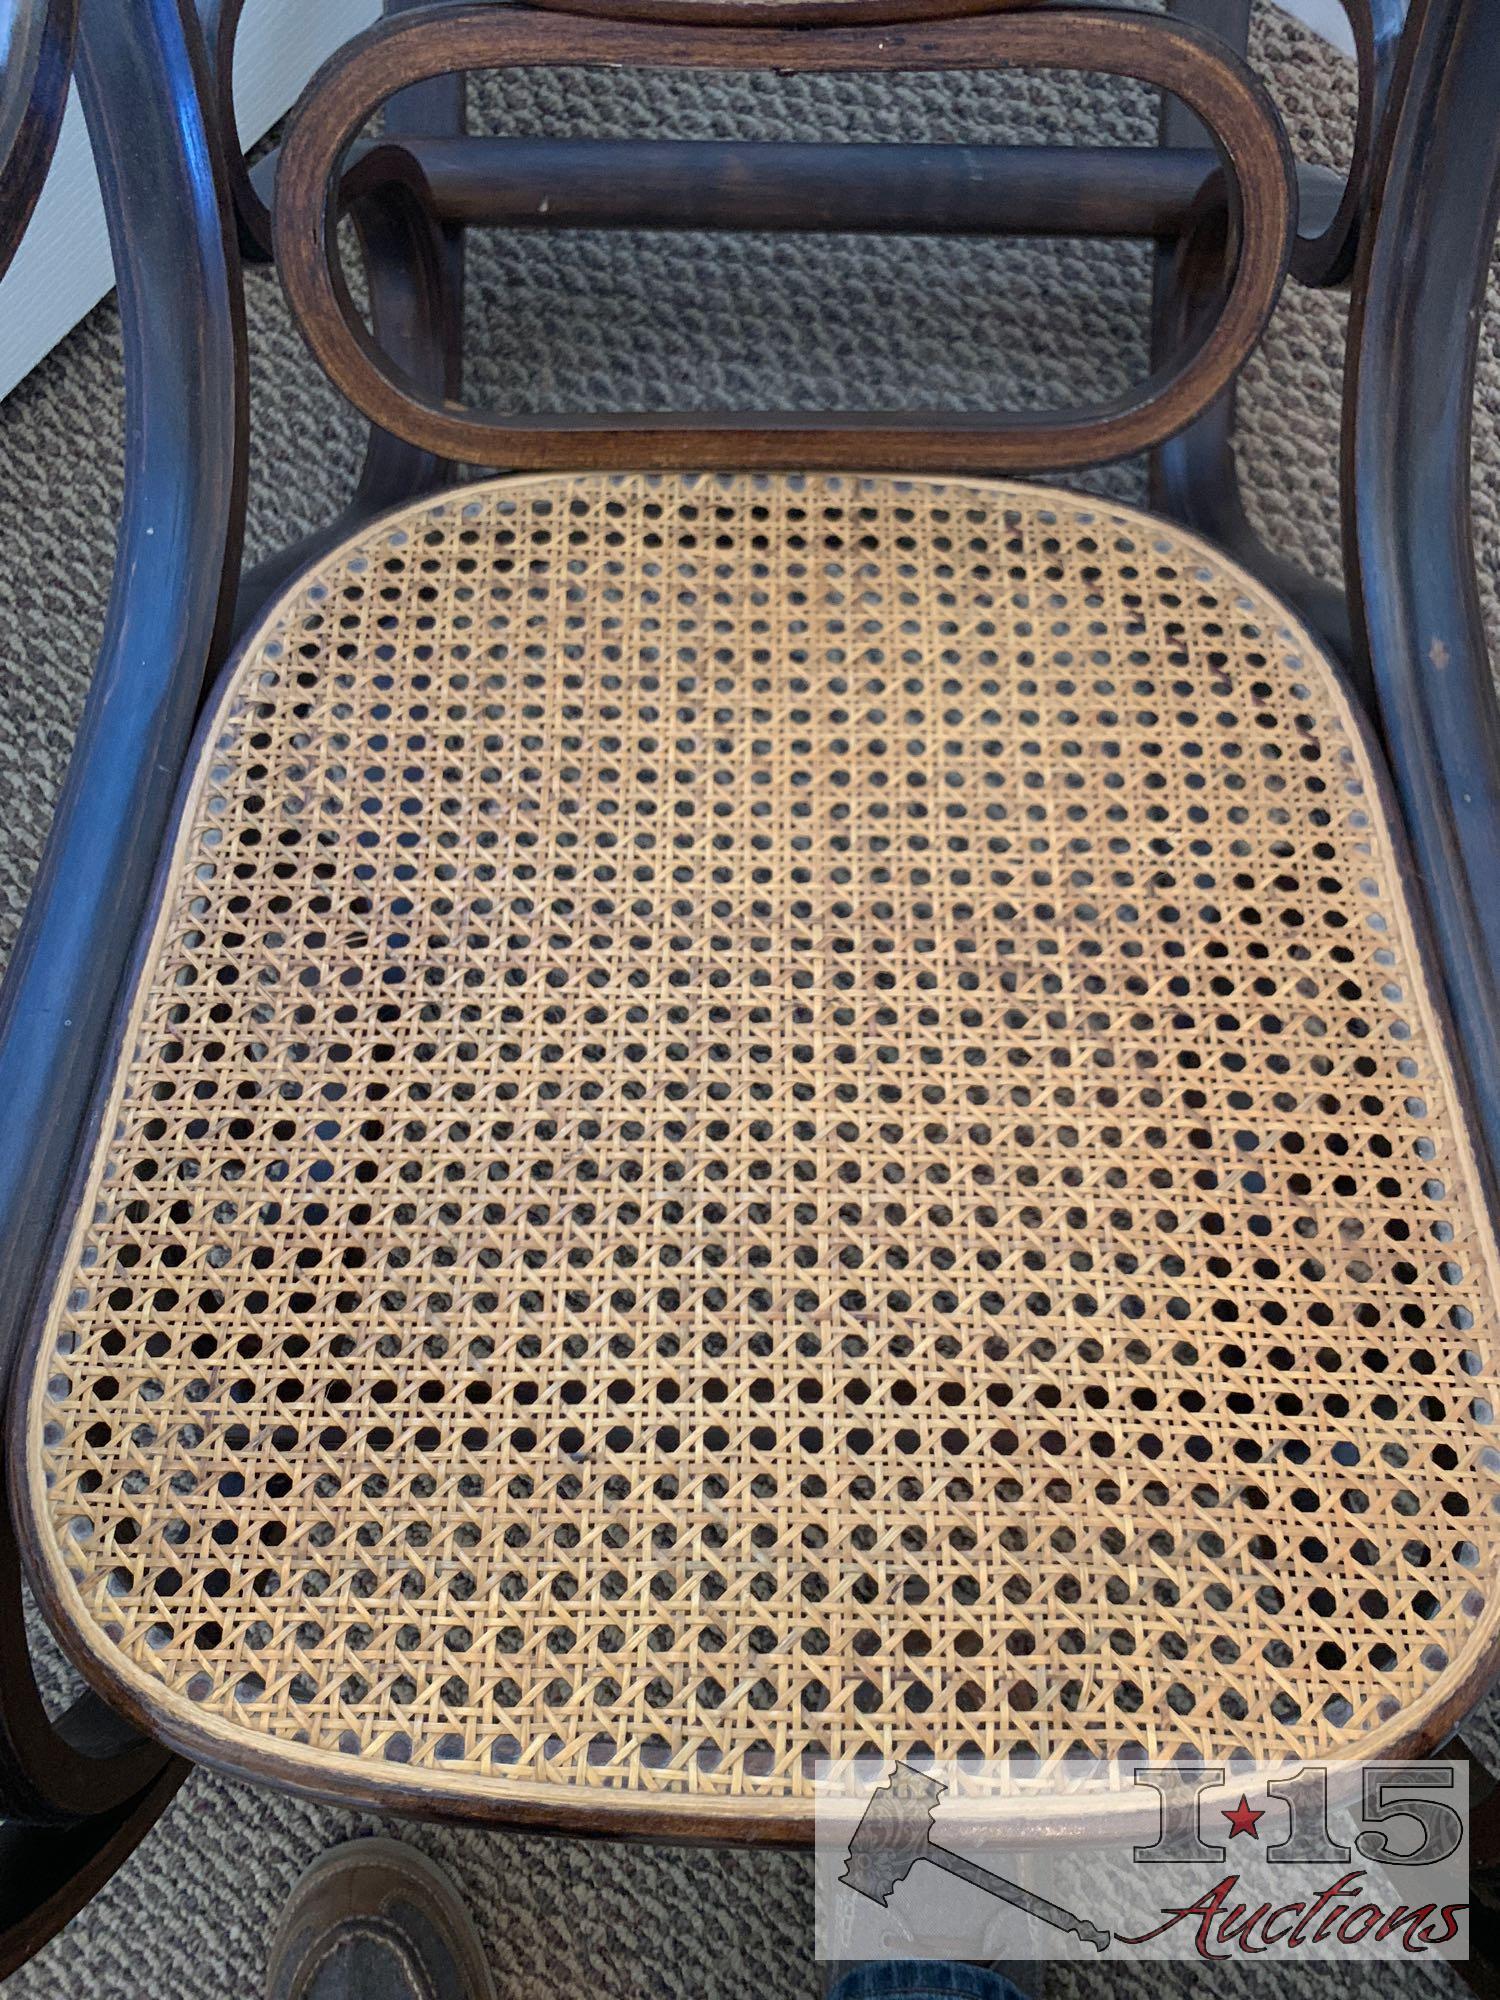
{"x": 176, "y": 568}
{"x": 36, "y": 56}
{"x": 1194, "y": 475}
{"x": 1418, "y": 295}
{"x": 144, "y": 88}
{"x": 1195, "y": 478}
{"x": 57, "y": 1773}
{"x": 432, "y": 109}
{"x": 221, "y": 24}
{"x": 90, "y": 1787}
{"x": 438, "y": 40}
{"x": 1325, "y": 252}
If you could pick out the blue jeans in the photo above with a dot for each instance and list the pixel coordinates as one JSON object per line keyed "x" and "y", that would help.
{"x": 924, "y": 1979}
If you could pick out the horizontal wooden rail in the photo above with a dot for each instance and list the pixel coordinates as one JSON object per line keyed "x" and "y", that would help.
{"x": 876, "y": 189}
{"x": 1258, "y": 191}
{"x": 481, "y": 182}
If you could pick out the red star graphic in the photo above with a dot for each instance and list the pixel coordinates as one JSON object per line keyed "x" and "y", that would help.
{"x": 1242, "y": 1820}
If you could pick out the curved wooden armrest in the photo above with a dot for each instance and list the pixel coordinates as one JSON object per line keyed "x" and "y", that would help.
{"x": 142, "y": 82}
{"x": 36, "y": 59}
{"x": 1409, "y": 543}
{"x": 47, "y": 1875}
{"x": 1328, "y": 238}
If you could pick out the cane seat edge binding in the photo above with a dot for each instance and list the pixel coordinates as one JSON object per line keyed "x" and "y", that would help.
{"x": 788, "y": 754}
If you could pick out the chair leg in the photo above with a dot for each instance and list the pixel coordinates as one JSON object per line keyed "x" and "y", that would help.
{"x": 77, "y": 1793}
{"x": 1480, "y": 1972}
{"x": 47, "y": 1874}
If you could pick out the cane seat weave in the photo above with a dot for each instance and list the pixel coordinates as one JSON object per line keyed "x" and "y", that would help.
{"x": 763, "y": 1116}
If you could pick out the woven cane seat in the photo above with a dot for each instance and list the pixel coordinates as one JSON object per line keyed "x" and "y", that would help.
{"x": 764, "y": 1116}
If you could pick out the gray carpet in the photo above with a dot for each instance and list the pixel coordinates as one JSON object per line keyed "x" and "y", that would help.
{"x": 590, "y": 322}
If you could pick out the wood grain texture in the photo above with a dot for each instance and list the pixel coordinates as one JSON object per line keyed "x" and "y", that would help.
{"x": 906, "y": 189}
{"x": 1175, "y": 57}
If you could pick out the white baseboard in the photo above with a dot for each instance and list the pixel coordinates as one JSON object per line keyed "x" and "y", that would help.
{"x": 62, "y": 269}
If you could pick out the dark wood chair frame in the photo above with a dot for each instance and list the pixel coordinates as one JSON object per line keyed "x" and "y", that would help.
{"x": 1409, "y": 230}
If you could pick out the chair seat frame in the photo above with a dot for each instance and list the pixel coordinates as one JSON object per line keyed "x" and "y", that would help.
{"x": 1409, "y": 229}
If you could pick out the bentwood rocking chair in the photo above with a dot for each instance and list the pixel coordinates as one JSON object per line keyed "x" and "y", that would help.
{"x": 746, "y": 1093}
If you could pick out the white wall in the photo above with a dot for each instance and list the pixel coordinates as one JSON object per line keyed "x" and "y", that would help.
{"x": 62, "y": 268}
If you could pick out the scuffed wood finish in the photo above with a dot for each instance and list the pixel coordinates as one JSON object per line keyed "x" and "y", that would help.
{"x": 1195, "y": 474}
{"x": 1174, "y": 57}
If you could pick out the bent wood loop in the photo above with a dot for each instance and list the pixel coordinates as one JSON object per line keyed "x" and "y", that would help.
{"x": 220, "y": 22}
{"x": 140, "y": 79}
{"x": 1328, "y": 235}
{"x": 778, "y": 13}
{"x": 36, "y": 55}
{"x": 1183, "y": 60}
{"x": 673, "y": 1222}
